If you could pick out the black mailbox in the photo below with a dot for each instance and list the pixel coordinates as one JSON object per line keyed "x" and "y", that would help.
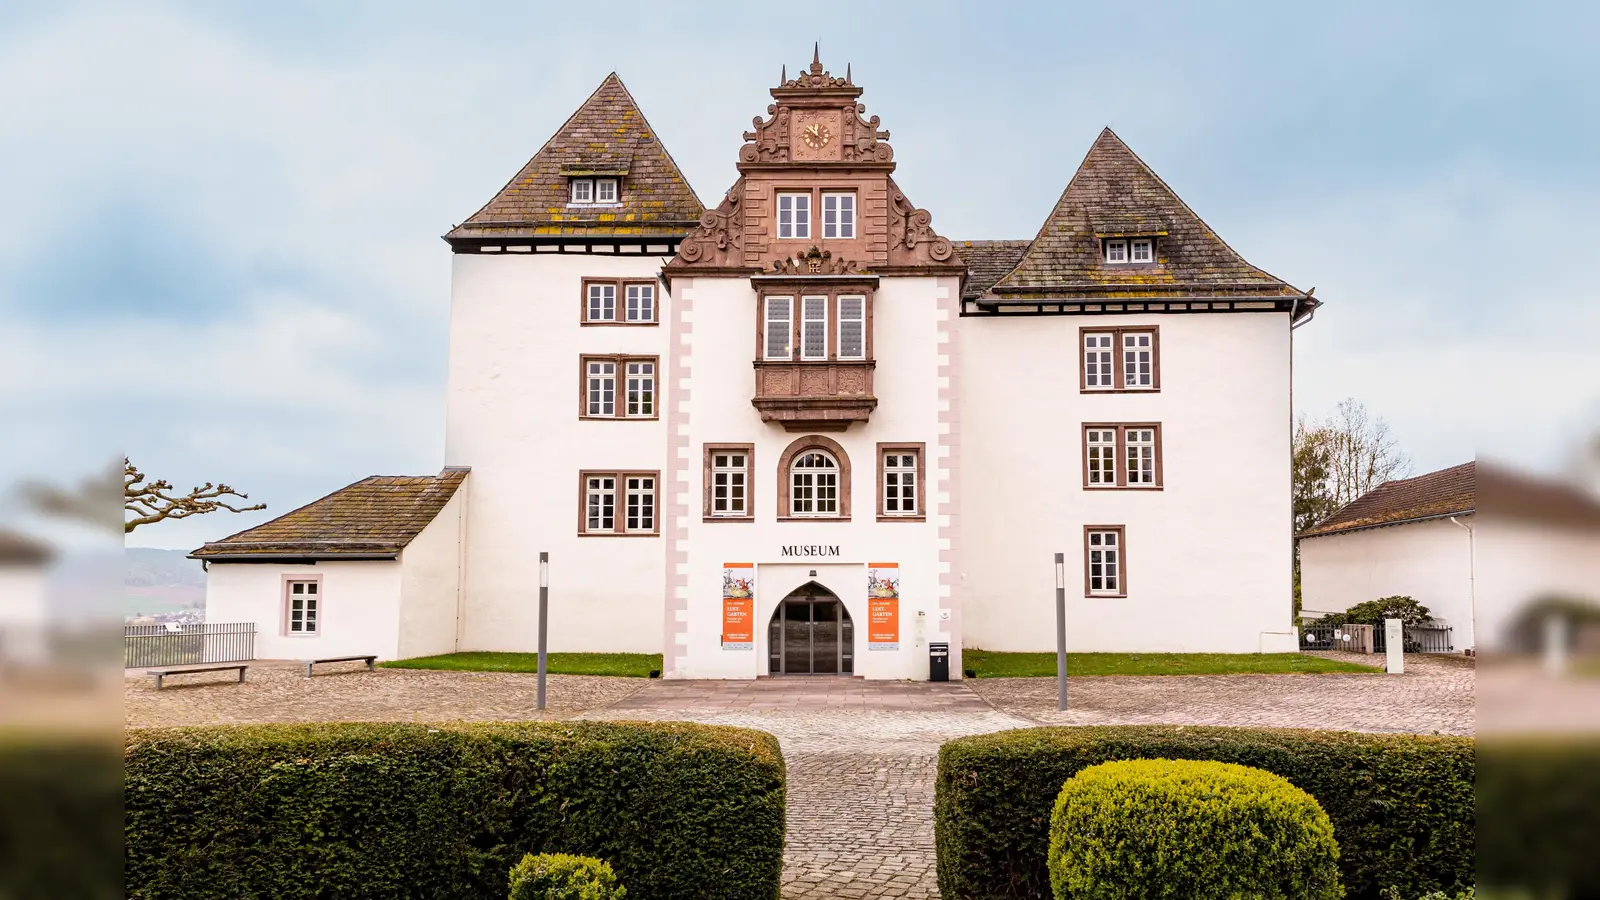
{"x": 938, "y": 661}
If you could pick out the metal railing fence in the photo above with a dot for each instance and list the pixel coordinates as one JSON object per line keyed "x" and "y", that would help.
{"x": 160, "y": 645}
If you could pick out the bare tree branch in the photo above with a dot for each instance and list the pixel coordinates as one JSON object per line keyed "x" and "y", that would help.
{"x": 155, "y": 501}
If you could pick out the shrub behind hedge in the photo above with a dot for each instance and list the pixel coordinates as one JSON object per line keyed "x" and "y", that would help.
{"x": 1163, "y": 829}
{"x": 1401, "y": 805}
{"x": 562, "y": 876}
{"x": 415, "y": 811}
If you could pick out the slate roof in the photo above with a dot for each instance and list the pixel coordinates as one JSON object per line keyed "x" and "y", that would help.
{"x": 1114, "y": 193}
{"x": 1509, "y": 494}
{"x": 375, "y": 518}
{"x": 608, "y": 135}
{"x": 988, "y": 262}
{"x": 1451, "y": 491}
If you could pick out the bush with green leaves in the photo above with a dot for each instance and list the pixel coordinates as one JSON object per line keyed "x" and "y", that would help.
{"x": 1376, "y": 612}
{"x": 387, "y": 811}
{"x": 1402, "y": 806}
{"x": 562, "y": 876}
{"x": 1162, "y": 829}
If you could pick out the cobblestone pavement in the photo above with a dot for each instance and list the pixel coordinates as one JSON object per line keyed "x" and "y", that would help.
{"x": 1435, "y": 695}
{"x": 280, "y": 692}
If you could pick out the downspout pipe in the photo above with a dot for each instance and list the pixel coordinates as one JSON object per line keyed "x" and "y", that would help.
{"x": 1472, "y": 578}
{"x": 1310, "y": 302}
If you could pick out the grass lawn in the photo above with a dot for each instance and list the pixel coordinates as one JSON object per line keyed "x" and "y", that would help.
{"x": 637, "y": 665}
{"x": 991, "y": 664}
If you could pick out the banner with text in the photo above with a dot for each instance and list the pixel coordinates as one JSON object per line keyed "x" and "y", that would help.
{"x": 883, "y": 606}
{"x": 738, "y": 606}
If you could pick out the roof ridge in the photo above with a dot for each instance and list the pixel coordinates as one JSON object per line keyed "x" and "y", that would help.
{"x": 657, "y": 135}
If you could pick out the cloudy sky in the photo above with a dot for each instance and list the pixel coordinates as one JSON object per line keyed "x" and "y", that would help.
{"x": 219, "y": 242}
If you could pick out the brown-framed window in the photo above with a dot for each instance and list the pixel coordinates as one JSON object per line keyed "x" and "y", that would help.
{"x": 1119, "y": 359}
{"x": 814, "y": 481}
{"x": 619, "y": 387}
{"x": 1122, "y": 455}
{"x": 619, "y": 302}
{"x": 619, "y": 504}
{"x": 302, "y": 606}
{"x": 1105, "y": 561}
{"x": 818, "y": 325}
{"x": 729, "y": 495}
{"x": 901, "y": 483}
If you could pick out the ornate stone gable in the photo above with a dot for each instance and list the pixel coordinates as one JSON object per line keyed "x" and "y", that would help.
{"x": 816, "y": 142}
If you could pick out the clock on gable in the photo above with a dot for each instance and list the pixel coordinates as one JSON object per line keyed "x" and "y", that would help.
{"x": 814, "y": 136}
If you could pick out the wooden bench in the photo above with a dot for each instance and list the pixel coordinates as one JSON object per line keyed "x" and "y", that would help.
{"x": 161, "y": 674}
{"x": 369, "y": 660}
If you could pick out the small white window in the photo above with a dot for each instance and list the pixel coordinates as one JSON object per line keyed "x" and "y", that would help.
{"x": 605, "y": 190}
{"x": 814, "y": 328}
{"x": 600, "y": 503}
{"x": 1105, "y": 562}
{"x": 641, "y": 303}
{"x": 729, "y": 484}
{"x": 641, "y": 503}
{"x": 641, "y": 389}
{"x": 1138, "y": 356}
{"x": 1097, "y": 375}
{"x": 900, "y": 483}
{"x": 602, "y": 303}
{"x": 814, "y": 488}
{"x": 1141, "y": 446}
{"x": 780, "y": 328}
{"x": 1142, "y": 250}
{"x": 794, "y": 215}
{"x": 582, "y": 190}
{"x": 303, "y": 607}
{"x": 1116, "y": 251}
{"x": 852, "y": 328}
{"x": 602, "y": 388}
{"x": 1100, "y": 449}
{"x": 839, "y": 215}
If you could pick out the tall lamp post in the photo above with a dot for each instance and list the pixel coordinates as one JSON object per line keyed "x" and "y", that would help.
{"x": 544, "y": 618}
{"x": 1061, "y": 631}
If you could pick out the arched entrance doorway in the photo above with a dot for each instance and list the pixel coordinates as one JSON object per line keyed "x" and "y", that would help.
{"x": 811, "y": 634}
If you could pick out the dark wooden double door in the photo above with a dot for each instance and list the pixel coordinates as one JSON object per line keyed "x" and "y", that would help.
{"x": 811, "y": 634}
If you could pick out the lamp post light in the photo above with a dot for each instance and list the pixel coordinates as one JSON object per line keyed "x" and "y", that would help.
{"x": 1061, "y": 631}
{"x": 544, "y": 618}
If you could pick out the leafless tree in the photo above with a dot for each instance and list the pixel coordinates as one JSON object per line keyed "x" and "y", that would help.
{"x": 1362, "y": 452}
{"x": 154, "y": 501}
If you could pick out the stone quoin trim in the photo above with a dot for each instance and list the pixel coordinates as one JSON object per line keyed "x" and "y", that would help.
{"x": 948, "y": 489}
{"x": 679, "y": 368}
{"x": 813, "y": 442}
{"x": 920, "y": 451}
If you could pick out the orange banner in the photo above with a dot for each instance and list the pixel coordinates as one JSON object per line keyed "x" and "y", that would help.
{"x": 738, "y": 606}
{"x": 883, "y": 606}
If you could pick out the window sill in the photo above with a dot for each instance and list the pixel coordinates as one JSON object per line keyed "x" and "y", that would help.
{"x": 1088, "y": 596}
{"x": 1123, "y": 487}
{"x": 1148, "y": 390}
{"x": 600, "y": 322}
{"x": 619, "y": 534}
{"x": 884, "y": 518}
{"x": 728, "y": 518}
{"x": 583, "y": 418}
{"x": 594, "y": 206}
{"x": 813, "y": 518}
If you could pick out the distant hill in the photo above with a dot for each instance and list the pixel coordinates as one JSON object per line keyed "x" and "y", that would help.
{"x": 160, "y": 581}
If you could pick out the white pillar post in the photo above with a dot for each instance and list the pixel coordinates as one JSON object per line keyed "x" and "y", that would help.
{"x": 1394, "y": 636}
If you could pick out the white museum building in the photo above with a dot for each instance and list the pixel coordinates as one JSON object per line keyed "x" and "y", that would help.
{"x": 802, "y": 432}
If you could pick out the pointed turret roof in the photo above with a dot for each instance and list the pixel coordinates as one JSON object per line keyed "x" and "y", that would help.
{"x": 1113, "y": 194}
{"x": 608, "y": 135}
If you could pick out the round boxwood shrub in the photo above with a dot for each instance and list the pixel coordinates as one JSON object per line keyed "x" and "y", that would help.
{"x": 561, "y": 876}
{"x": 1189, "y": 830}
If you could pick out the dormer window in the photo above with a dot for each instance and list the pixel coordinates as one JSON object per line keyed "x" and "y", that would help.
{"x": 592, "y": 191}
{"x": 1121, "y": 251}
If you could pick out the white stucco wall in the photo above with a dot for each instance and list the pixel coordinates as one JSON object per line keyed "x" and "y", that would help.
{"x": 430, "y": 582}
{"x": 717, "y": 363}
{"x": 1208, "y": 557}
{"x": 1520, "y": 561}
{"x": 515, "y": 342}
{"x": 360, "y": 611}
{"x": 1429, "y": 561}
{"x": 22, "y": 597}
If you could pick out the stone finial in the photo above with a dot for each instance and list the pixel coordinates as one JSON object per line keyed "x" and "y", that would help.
{"x": 816, "y": 58}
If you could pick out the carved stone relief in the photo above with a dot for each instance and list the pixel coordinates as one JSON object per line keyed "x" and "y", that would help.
{"x": 719, "y": 239}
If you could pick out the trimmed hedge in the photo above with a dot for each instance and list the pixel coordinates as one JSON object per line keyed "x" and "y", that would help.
{"x": 1539, "y": 804}
{"x": 561, "y": 876}
{"x": 60, "y": 816}
{"x": 362, "y": 810}
{"x": 1164, "y": 829}
{"x": 1402, "y": 806}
